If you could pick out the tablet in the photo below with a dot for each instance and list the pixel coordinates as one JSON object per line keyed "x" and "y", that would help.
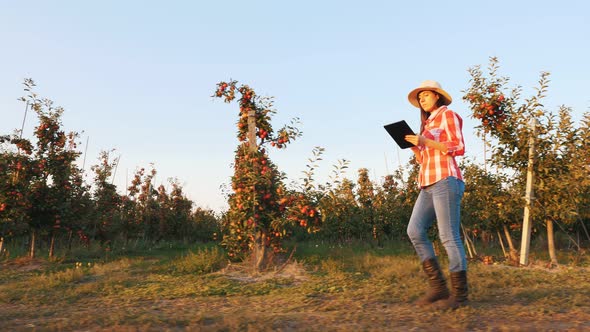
{"x": 398, "y": 130}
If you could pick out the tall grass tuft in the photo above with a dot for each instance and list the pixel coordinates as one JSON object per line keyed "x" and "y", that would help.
{"x": 202, "y": 261}
{"x": 58, "y": 278}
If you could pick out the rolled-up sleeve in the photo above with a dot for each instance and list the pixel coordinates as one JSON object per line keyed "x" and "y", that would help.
{"x": 453, "y": 126}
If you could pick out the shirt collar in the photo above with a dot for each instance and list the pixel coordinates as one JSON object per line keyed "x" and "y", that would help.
{"x": 435, "y": 113}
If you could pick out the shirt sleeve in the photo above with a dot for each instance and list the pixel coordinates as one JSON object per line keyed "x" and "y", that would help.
{"x": 453, "y": 126}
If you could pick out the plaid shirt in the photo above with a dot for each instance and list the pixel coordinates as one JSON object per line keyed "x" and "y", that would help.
{"x": 444, "y": 126}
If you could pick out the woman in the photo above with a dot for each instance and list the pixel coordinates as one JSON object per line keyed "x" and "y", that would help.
{"x": 439, "y": 142}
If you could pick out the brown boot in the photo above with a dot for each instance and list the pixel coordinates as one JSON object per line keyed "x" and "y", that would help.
{"x": 458, "y": 296}
{"x": 438, "y": 285}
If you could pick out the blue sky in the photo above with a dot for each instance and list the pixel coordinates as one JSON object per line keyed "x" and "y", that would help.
{"x": 137, "y": 76}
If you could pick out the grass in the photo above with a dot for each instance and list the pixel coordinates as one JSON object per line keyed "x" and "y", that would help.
{"x": 201, "y": 261}
{"x": 324, "y": 288}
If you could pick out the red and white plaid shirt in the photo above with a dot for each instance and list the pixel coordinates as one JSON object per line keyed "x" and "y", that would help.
{"x": 444, "y": 126}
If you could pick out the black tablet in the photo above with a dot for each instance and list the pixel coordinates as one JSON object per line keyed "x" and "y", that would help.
{"x": 398, "y": 130}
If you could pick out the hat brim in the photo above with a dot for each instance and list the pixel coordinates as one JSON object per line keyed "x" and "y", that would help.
{"x": 413, "y": 95}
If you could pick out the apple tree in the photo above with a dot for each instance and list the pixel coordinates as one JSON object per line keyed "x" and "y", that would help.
{"x": 106, "y": 221}
{"x": 560, "y": 175}
{"x": 57, "y": 180}
{"x": 17, "y": 168}
{"x": 259, "y": 206}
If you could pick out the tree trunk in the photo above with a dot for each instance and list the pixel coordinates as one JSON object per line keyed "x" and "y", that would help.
{"x": 1, "y": 245}
{"x": 70, "y": 237}
{"x": 259, "y": 252}
{"x": 551, "y": 242}
{"x": 32, "y": 248}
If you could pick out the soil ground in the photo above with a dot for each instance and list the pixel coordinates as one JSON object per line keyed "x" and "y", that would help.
{"x": 139, "y": 296}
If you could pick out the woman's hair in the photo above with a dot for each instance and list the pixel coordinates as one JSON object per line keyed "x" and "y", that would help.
{"x": 424, "y": 115}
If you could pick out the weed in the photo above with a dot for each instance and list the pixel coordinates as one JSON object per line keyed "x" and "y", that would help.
{"x": 200, "y": 262}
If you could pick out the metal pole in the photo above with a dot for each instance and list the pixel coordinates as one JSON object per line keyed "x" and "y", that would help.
{"x": 526, "y": 224}
{"x": 126, "y": 181}
{"x": 24, "y": 119}
{"x": 85, "y": 153}
{"x": 115, "y": 172}
{"x": 16, "y": 174}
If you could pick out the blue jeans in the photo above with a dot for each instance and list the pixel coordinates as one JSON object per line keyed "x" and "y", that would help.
{"x": 440, "y": 201}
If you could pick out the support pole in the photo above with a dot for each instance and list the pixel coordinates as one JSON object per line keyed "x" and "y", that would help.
{"x": 252, "y": 130}
{"x": 85, "y": 153}
{"x": 22, "y": 128}
{"x": 502, "y": 244}
{"x": 526, "y": 223}
{"x": 259, "y": 247}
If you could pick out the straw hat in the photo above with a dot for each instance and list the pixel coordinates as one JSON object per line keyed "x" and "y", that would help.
{"x": 430, "y": 86}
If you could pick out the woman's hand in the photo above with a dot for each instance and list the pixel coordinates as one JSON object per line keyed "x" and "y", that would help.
{"x": 417, "y": 140}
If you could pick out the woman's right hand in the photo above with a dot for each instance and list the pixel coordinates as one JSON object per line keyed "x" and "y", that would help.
{"x": 414, "y": 139}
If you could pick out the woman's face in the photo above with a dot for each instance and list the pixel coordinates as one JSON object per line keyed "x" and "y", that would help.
{"x": 428, "y": 100}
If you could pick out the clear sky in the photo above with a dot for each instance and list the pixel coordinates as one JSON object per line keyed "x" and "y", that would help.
{"x": 137, "y": 76}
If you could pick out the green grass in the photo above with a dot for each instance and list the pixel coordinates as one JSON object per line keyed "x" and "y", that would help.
{"x": 325, "y": 287}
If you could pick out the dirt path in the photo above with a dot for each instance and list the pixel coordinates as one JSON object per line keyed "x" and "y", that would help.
{"x": 134, "y": 299}
{"x": 322, "y": 313}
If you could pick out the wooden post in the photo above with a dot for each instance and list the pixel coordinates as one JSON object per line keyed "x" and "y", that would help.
{"x": 252, "y": 130}
{"x": 259, "y": 247}
{"x": 32, "y": 247}
{"x": 467, "y": 242}
{"x": 502, "y": 244}
{"x": 52, "y": 245}
{"x": 526, "y": 223}
{"x": 485, "y": 157}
